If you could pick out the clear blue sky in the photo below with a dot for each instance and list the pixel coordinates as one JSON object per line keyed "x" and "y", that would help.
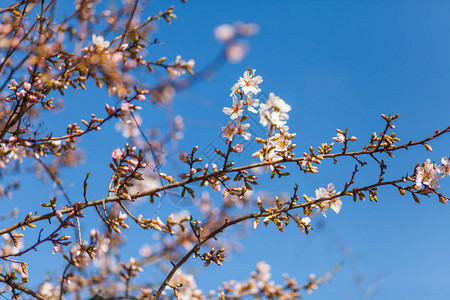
{"x": 338, "y": 64}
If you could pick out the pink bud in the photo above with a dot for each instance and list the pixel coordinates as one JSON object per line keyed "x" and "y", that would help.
{"x": 33, "y": 99}
{"x": 21, "y": 93}
{"x": 184, "y": 157}
{"x": 59, "y": 215}
{"x": 27, "y": 86}
{"x": 94, "y": 233}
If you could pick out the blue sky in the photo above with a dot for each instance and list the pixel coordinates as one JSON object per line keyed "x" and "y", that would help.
{"x": 338, "y": 64}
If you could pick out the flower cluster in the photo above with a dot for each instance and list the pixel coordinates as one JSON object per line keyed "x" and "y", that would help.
{"x": 273, "y": 114}
{"x": 429, "y": 173}
{"x": 246, "y": 87}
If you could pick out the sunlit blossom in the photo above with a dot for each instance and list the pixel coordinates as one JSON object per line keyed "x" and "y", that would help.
{"x": 241, "y": 129}
{"x": 250, "y": 82}
{"x": 235, "y": 111}
{"x": 252, "y": 103}
{"x": 427, "y": 175}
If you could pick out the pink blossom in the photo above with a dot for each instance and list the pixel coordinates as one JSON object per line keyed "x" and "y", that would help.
{"x": 117, "y": 153}
{"x": 57, "y": 247}
{"x": 184, "y": 157}
{"x": 238, "y": 148}
{"x": 140, "y": 97}
{"x": 427, "y": 175}
{"x": 340, "y": 138}
{"x": 229, "y": 131}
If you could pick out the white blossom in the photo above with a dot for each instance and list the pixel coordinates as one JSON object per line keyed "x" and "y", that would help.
{"x": 241, "y": 129}
{"x": 99, "y": 41}
{"x": 445, "y": 167}
{"x": 252, "y": 103}
{"x": 274, "y": 112}
{"x": 179, "y": 67}
{"x": 250, "y": 83}
{"x": 235, "y": 111}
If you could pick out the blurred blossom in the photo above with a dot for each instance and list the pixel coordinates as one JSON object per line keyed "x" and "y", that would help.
{"x": 99, "y": 41}
{"x": 180, "y": 67}
{"x": 224, "y": 32}
{"x": 129, "y": 128}
{"x": 236, "y": 51}
{"x": 117, "y": 153}
{"x": 246, "y": 29}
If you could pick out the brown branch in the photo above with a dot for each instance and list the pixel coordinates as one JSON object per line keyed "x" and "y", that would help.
{"x": 20, "y": 287}
{"x": 204, "y": 177}
{"x": 254, "y": 216}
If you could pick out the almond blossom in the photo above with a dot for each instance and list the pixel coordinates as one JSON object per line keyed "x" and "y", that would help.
{"x": 427, "y": 175}
{"x": 280, "y": 142}
{"x": 335, "y": 204}
{"x": 445, "y": 167}
{"x": 274, "y": 112}
{"x": 340, "y": 138}
{"x": 235, "y": 89}
{"x": 235, "y": 111}
{"x": 229, "y": 131}
{"x": 99, "y": 41}
{"x": 303, "y": 223}
{"x": 241, "y": 129}
{"x": 237, "y": 148}
{"x": 18, "y": 153}
{"x": 188, "y": 287}
{"x": 252, "y": 103}
{"x": 250, "y": 82}
{"x": 57, "y": 247}
{"x": 117, "y": 153}
{"x": 179, "y": 67}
